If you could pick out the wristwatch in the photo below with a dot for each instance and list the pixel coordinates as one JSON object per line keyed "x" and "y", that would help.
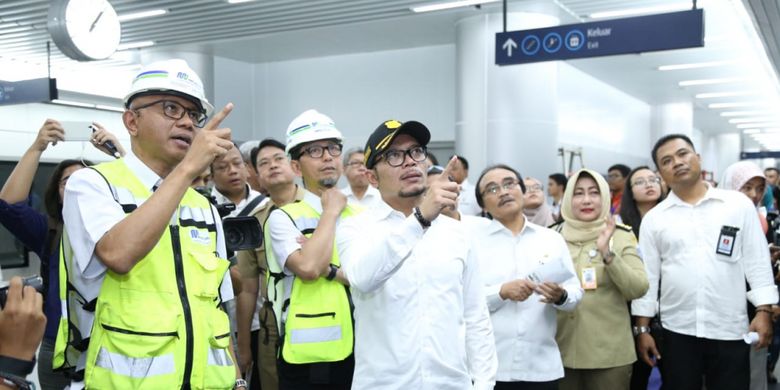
{"x": 240, "y": 384}
{"x": 333, "y": 271}
{"x": 640, "y": 329}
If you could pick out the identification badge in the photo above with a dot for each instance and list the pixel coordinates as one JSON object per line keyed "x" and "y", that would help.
{"x": 728, "y": 234}
{"x": 589, "y": 278}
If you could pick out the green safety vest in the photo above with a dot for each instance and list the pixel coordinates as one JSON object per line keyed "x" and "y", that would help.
{"x": 160, "y": 326}
{"x": 315, "y": 320}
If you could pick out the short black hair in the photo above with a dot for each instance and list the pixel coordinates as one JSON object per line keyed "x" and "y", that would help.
{"x": 669, "y": 137}
{"x": 462, "y": 161}
{"x": 433, "y": 158}
{"x": 624, "y": 169}
{"x": 560, "y": 179}
{"x": 478, "y": 193}
{"x": 771, "y": 169}
{"x": 264, "y": 144}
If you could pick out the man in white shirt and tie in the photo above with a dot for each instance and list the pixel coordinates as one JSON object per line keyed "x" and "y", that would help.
{"x": 421, "y": 321}
{"x": 700, "y": 245}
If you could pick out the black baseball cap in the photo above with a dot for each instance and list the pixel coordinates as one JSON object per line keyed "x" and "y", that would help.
{"x": 384, "y": 135}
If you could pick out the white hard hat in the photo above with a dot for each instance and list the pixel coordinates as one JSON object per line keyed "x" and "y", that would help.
{"x": 169, "y": 77}
{"x": 310, "y": 126}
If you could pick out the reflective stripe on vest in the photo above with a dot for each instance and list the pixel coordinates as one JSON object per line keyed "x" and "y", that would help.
{"x": 314, "y": 317}
{"x": 157, "y": 326}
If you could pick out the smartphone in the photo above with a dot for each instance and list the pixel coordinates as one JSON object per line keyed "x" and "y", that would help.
{"x": 77, "y": 130}
{"x": 34, "y": 281}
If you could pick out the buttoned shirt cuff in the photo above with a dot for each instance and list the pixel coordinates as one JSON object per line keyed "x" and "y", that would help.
{"x": 494, "y": 301}
{"x": 644, "y": 308}
{"x": 763, "y": 296}
{"x": 484, "y": 385}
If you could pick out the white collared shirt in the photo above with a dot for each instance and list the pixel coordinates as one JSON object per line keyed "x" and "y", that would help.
{"x": 371, "y": 198}
{"x": 467, "y": 200}
{"x": 249, "y": 195}
{"x": 285, "y": 235}
{"x": 421, "y": 321}
{"x": 703, "y": 293}
{"x": 89, "y": 211}
{"x": 524, "y": 331}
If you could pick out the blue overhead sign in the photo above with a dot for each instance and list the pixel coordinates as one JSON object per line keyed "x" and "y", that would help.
{"x": 757, "y": 155}
{"x": 27, "y": 91}
{"x": 676, "y": 30}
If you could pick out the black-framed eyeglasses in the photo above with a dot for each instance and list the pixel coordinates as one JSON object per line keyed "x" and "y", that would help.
{"x": 176, "y": 111}
{"x": 645, "y": 182}
{"x": 493, "y": 189}
{"x": 396, "y": 157}
{"x": 317, "y": 151}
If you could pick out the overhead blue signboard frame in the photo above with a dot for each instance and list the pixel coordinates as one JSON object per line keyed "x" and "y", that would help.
{"x": 676, "y": 30}
{"x": 28, "y": 91}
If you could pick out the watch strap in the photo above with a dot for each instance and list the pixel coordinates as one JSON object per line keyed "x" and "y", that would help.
{"x": 423, "y": 222}
{"x": 332, "y": 273}
{"x": 17, "y": 367}
{"x": 637, "y": 330}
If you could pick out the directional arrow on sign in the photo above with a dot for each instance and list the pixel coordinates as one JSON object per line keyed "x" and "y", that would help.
{"x": 509, "y": 45}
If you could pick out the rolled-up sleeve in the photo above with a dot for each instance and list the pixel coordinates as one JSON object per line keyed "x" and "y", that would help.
{"x": 757, "y": 265}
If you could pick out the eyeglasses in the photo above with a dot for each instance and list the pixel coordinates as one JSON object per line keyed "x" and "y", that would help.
{"x": 646, "y": 182}
{"x": 317, "y": 151}
{"x": 396, "y": 157}
{"x": 356, "y": 164}
{"x": 493, "y": 189}
{"x": 226, "y": 165}
{"x": 176, "y": 111}
{"x": 535, "y": 188}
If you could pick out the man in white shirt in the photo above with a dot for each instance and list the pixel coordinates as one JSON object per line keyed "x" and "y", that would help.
{"x": 528, "y": 275}
{"x": 229, "y": 175}
{"x": 420, "y": 314}
{"x": 467, "y": 201}
{"x": 121, "y": 216}
{"x": 358, "y": 191}
{"x": 700, "y": 245}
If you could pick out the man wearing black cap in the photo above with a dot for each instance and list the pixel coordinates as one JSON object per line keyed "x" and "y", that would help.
{"x": 413, "y": 276}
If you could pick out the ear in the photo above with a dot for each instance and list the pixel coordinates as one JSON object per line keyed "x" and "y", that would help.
{"x": 131, "y": 124}
{"x": 372, "y": 177}
{"x": 296, "y": 167}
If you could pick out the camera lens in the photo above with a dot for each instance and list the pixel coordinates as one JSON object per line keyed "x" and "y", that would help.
{"x": 233, "y": 237}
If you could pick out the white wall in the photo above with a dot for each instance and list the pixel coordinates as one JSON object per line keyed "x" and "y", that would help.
{"x": 360, "y": 91}
{"x": 610, "y": 126}
{"x": 234, "y": 82}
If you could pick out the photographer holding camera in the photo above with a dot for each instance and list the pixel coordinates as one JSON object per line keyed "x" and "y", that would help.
{"x": 22, "y": 324}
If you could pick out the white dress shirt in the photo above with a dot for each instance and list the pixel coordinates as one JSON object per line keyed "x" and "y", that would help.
{"x": 89, "y": 211}
{"x": 467, "y": 200}
{"x": 702, "y": 292}
{"x": 249, "y": 195}
{"x": 421, "y": 321}
{"x": 524, "y": 331}
{"x": 371, "y": 198}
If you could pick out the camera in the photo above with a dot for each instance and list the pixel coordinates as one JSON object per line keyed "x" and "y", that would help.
{"x": 241, "y": 233}
{"x": 35, "y": 281}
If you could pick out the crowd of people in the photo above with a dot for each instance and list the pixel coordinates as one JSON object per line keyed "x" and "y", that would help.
{"x": 410, "y": 277}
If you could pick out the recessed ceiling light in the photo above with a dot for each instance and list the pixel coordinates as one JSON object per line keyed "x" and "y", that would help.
{"x": 725, "y": 80}
{"x": 696, "y": 65}
{"x": 753, "y": 119}
{"x": 735, "y": 104}
{"x": 755, "y": 125}
{"x": 710, "y": 95}
{"x": 641, "y": 10}
{"x": 449, "y": 5}
{"x": 744, "y": 113}
{"x": 142, "y": 14}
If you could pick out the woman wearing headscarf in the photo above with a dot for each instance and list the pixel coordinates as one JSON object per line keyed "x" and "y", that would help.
{"x": 747, "y": 178}
{"x": 595, "y": 339}
{"x": 535, "y": 207}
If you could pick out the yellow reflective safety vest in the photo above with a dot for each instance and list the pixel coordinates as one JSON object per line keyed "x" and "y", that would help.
{"x": 314, "y": 318}
{"x": 160, "y": 326}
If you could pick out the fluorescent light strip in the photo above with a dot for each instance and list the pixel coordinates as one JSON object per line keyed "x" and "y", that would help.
{"x": 725, "y": 80}
{"x": 735, "y": 104}
{"x": 449, "y": 5}
{"x": 758, "y": 125}
{"x": 142, "y": 14}
{"x": 134, "y": 45}
{"x": 753, "y": 119}
{"x": 697, "y": 65}
{"x": 711, "y": 95}
{"x": 744, "y": 113}
{"x": 88, "y": 105}
{"x": 751, "y": 131}
{"x": 641, "y": 10}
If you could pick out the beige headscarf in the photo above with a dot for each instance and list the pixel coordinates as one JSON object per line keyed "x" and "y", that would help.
{"x": 580, "y": 231}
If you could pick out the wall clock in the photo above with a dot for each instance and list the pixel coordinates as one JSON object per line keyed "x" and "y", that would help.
{"x": 85, "y": 30}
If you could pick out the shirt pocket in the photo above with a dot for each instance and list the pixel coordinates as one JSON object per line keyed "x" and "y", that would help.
{"x": 723, "y": 246}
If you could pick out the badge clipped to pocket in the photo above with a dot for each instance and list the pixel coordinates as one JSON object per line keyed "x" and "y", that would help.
{"x": 728, "y": 234}
{"x": 589, "y": 278}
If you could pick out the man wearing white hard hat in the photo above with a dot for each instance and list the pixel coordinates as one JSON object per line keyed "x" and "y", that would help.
{"x": 311, "y": 303}
{"x": 157, "y": 244}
